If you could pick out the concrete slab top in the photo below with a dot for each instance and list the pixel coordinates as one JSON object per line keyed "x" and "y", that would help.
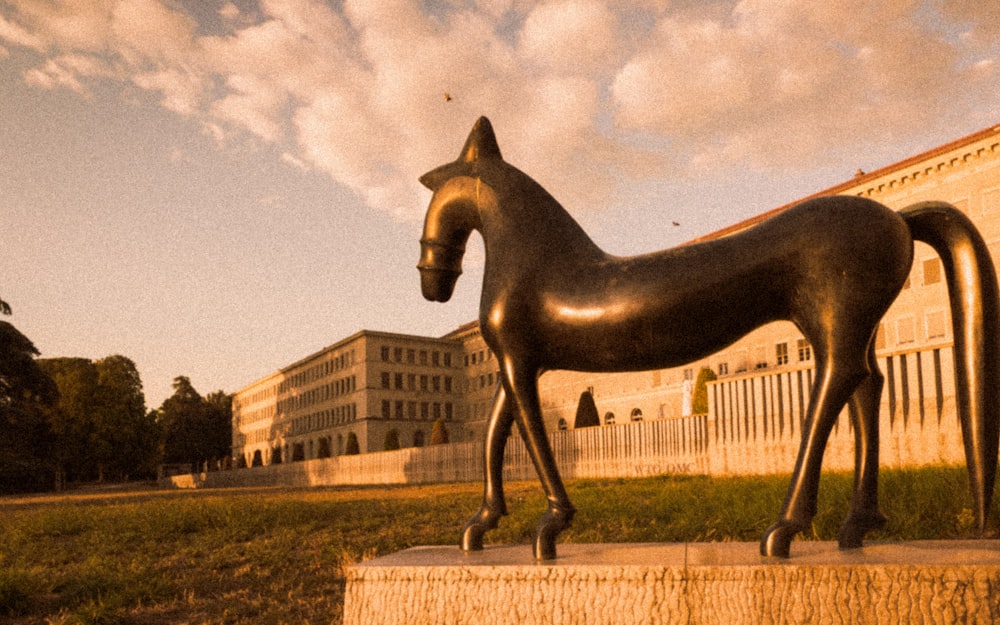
{"x": 692, "y": 555}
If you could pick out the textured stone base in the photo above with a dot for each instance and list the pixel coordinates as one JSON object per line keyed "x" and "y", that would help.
{"x": 693, "y": 584}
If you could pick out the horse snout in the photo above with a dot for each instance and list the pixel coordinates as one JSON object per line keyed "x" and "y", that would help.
{"x": 437, "y": 285}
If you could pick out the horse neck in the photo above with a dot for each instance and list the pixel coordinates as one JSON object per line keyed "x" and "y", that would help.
{"x": 527, "y": 219}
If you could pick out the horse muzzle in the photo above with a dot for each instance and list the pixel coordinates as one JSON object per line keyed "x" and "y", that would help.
{"x": 437, "y": 285}
{"x": 440, "y": 266}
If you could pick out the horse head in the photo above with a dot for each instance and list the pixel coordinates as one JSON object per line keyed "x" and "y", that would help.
{"x": 454, "y": 212}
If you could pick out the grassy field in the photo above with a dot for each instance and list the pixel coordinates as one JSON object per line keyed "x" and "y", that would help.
{"x": 274, "y": 556}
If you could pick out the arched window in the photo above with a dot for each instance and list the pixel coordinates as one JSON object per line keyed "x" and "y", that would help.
{"x": 609, "y": 418}
{"x": 563, "y": 425}
{"x": 636, "y": 414}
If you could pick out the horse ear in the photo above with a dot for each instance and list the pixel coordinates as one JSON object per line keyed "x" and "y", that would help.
{"x": 482, "y": 143}
{"x": 434, "y": 178}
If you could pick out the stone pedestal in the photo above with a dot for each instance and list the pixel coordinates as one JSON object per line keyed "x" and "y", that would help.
{"x": 691, "y": 584}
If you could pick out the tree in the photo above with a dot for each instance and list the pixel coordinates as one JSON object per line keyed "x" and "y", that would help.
{"x": 391, "y": 440}
{"x": 101, "y": 426}
{"x": 219, "y": 425}
{"x": 439, "y": 433}
{"x": 699, "y": 397}
{"x": 26, "y": 392}
{"x": 71, "y": 419}
{"x": 586, "y": 412}
{"x": 125, "y": 441}
{"x": 352, "y": 447}
{"x": 195, "y": 429}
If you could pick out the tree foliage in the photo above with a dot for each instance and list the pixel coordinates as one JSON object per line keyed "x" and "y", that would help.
{"x": 586, "y": 412}
{"x": 26, "y": 393}
{"x": 195, "y": 429}
{"x": 352, "y": 448}
{"x": 100, "y": 423}
{"x": 391, "y": 442}
{"x": 699, "y": 398}
{"x": 439, "y": 433}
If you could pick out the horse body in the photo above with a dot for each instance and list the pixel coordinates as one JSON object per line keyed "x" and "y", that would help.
{"x": 552, "y": 299}
{"x": 672, "y": 307}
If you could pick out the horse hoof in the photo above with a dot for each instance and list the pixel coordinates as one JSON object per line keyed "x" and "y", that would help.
{"x": 482, "y": 522}
{"x": 777, "y": 540}
{"x": 553, "y": 522}
{"x": 854, "y": 529}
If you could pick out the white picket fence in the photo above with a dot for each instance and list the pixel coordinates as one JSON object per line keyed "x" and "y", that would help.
{"x": 753, "y": 427}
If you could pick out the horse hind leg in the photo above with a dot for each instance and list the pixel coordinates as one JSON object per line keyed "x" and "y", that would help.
{"x": 865, "y": 515}
{"x": 837, "y": 378}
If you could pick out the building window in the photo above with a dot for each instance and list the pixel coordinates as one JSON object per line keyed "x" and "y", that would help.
{"x": 447, "y": 359}
{"x": 425, "y": 410}
{"x": 936, "y": 324}
{"x": 905, "y": 330}
{"x": 411, "y": 409}
{"x": 385, "y": 379}
{"x": 436, "y": 359}
{"x": 781, "y": 354}
{"x": 423, "y": 357}
{"x": 449, "y": 411}
{"x": 411, "y": 381}
{"x": 636, "y": 414}
{"x": 423, "y": 383}
{"x": 385, "y": 354}
{"x": 447, "y": 384}
{"x": 397, "y": 354}
{"x": 398, "y": 379}
{"x": 562, "y": 424}
{"x": 399, "y": 409}
{"x": 411, "y": 356}
{"x": 436, "y": 384}
{"x": 386, "y": 409}
{"x": 723, "y": 368}
{"x": 932, "y": 271}
{"x": 804, "y": 349}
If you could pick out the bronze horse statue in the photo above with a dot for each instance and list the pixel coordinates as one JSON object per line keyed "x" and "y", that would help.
{"x": 551, "y": 299}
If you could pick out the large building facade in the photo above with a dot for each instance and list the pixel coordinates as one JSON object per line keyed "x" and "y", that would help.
{"x": 373, "y": 389}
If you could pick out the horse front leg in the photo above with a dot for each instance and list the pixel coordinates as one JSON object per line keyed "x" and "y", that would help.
{"x": 494, "y": 504}
{"x": 834, "y": 384}
{"x": 560, "y": 512}
{"x": 865, "y": 515}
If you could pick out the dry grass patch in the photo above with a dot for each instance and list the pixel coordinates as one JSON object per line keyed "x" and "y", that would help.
{"x": 273, "y": 556}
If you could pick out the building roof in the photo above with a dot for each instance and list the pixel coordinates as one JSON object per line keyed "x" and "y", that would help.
{"x": 858, "y": 179}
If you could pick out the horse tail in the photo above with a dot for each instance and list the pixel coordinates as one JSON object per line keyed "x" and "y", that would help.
{"x": 975, "y": 313}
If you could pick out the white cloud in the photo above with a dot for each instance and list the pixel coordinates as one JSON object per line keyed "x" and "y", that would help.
{"x": 19, "y": 36}
{"x": 575, "y": 88}
{"x": 67, "y": 71}
{"x": 774, "y": 83}
{"x": 575, "y": 36}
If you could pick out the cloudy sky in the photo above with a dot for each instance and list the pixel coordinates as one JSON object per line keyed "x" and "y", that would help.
{"x": 218, "y": 188}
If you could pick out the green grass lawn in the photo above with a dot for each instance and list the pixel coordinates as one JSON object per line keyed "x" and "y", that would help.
{"x": 278, "y": 556}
